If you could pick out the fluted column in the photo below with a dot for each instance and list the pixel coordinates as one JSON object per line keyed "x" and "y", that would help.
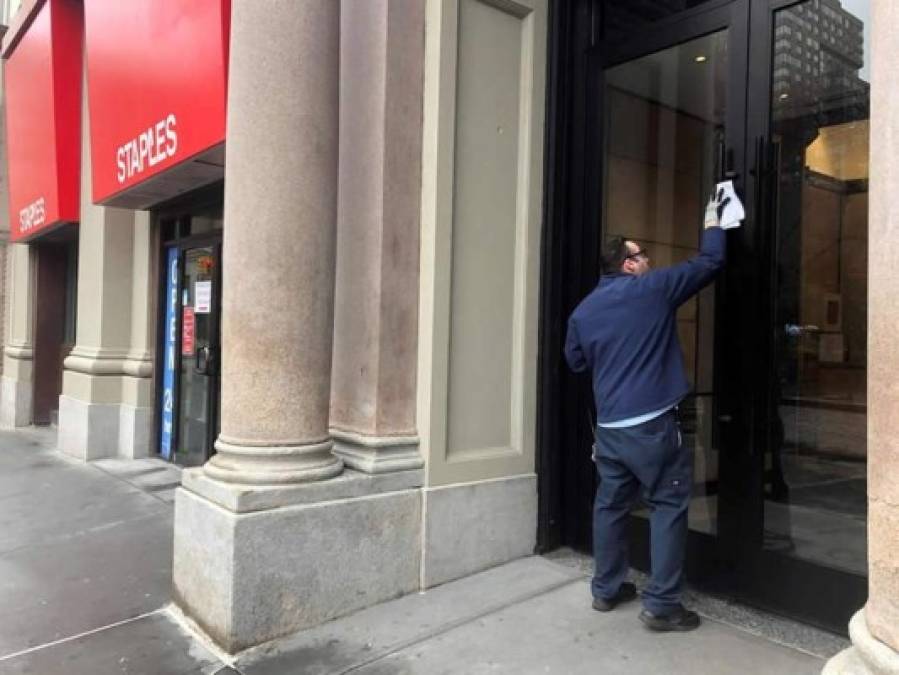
{"x": 95, "y": 370}
{"x": 379, "y": 212}
{"x": 875, "y": 629}
{"x": 279, "y": 241}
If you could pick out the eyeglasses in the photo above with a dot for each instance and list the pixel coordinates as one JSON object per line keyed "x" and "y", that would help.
{"x": 642, "y": 252}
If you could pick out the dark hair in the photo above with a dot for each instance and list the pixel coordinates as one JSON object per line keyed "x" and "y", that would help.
{"x": 614, "y": 253}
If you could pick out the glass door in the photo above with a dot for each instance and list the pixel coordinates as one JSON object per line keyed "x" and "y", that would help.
{"x": 810, "y": 120}
{"x": 672, "y": 126}
{"x": 773, "y": 94}
{"x": 198, "y": 376}
{"x": 190, "y": 347}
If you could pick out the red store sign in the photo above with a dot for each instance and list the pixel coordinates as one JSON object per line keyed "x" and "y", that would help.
{"x": 188, "y": 331}
{"x": 43, "y": 116}
{"x": 156, "y": 79}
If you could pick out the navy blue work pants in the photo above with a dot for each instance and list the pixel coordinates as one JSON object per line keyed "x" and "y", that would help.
{"x": 650, "y": 456}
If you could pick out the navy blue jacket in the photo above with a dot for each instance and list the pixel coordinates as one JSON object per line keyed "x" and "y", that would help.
{"x": 625, "y": 333}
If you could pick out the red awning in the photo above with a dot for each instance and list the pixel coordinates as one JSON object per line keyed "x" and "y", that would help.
{"x": 43, "y": 116}
{"x": 156, "y": 78}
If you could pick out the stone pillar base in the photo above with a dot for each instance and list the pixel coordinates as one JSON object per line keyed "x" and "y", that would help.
{"x": 377, "y": 454}
{"x": 135, "y": 427}
{"x": 15, "y": 403}
{"x": 262, "y": 464}
{"x": 469, "y": 527}
{"x": 255, "y": 564}
{"x": 866, "y": 656}
{"x": 88, "y": 430}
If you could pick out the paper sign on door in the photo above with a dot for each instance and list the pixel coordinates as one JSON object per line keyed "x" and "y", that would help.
{"x": 203, "y": 297}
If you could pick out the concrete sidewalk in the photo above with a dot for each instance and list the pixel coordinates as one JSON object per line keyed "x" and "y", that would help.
{"x": 85, "y": 576}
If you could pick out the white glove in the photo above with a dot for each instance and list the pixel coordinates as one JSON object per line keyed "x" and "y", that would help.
{"x": 715, "y": 207}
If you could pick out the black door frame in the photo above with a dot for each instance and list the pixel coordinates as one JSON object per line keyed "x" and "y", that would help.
{"x": 734, "y": 563}
{"x": 178, "y": 211}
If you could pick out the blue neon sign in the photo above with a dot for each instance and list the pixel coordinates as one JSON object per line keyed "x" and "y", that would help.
{"x": 167, "y": 403}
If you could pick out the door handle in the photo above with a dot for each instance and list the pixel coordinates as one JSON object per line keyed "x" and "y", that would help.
{"x": 794, "y": 330}
{"x": 202, "y": 356}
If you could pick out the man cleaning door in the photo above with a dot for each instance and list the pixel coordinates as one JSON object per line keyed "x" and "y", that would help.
{"x": 625, "y": 333}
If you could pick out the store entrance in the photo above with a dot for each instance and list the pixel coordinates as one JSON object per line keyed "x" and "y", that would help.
{"x": 55, "y": 289}
{"x": 188, "y": 389}
{"x": 653, "y": 108}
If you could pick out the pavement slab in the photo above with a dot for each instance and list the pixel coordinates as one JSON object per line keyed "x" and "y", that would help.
{"x": 59, "y": 501}
{"x": 94, "y": 578}
{"x": 558, "y": 632}
{"x": 523, "y": 617}
{"x": 85, "y": 587}
{"x": 382, "y": 629}
{"x": 79, "y": 549}
{"x": 149, "y": 645}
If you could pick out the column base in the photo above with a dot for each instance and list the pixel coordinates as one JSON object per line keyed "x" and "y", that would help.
{"x": 243, "y": 463}
{"x": 866, "y": 656}
{"x": 88, "y": 430}
{"x": 135, "y": 431}
{"x": 377, "y": 454}
{"x": 472, "y": 526}
{"x": 15, "y": 403}
{"x": 247, "y": 578}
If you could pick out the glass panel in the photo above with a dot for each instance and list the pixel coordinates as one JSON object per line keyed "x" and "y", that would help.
{"x": 195, "y": 384}
{"x": 815, "y": 496}
{"x": 624, "y": 17}
{"x": 664, "y": 121}
{"x": 206, "y": 221}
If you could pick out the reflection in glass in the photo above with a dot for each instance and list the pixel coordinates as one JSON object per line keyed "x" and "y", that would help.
{"x": 622, "y": 18}
{"x": 816, "y": 505}
{"x": 195, "y": 384}
{"x": 664, "y": 116}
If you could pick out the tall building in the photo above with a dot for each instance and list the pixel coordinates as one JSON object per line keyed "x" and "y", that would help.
{"x": 818, "y": 53}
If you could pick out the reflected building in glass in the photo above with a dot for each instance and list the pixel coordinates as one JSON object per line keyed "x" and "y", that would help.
{"x": 818, "y": 53}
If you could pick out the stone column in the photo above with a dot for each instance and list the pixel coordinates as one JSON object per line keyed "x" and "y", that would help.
{"x": 262, "y": 546}
{"x": 875, "y": 629}
{"x": 278, "y": 248}
{"x": 136, "y": 411}
{"x": 89, "y": 406}
{"x": 18, "y": 353}
{"x": 378, "y": 222}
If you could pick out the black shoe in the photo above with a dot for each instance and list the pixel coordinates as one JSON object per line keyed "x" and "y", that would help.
{"x": 627, "y": 591}
{"x": 680, "y": 619}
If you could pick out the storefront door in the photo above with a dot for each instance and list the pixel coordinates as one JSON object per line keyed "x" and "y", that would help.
{"x": 809, "y": 117}
{"x": 771, "y": 95}
{"x": 672, "y": 112}
{"x": 190, "y": 348}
